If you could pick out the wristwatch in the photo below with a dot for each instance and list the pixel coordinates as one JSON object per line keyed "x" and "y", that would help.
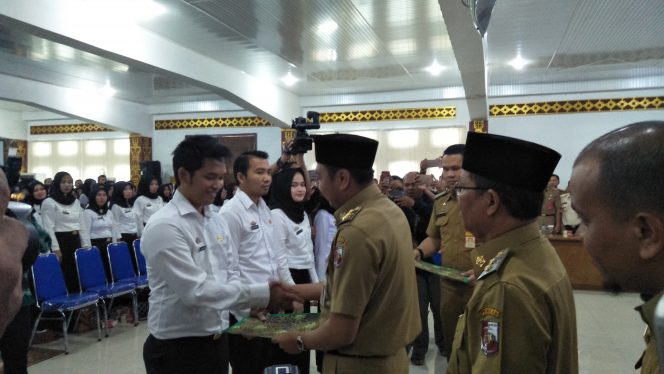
{"x": 300, "y": 343}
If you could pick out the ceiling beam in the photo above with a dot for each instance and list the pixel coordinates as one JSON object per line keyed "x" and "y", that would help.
{"x": 72, "y": 23}
{"x": 469, "y": 52}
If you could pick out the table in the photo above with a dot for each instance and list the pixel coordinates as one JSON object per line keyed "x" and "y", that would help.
{"x": 580, "y": 269}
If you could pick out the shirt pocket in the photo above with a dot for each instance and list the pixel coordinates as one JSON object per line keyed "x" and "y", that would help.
{"x": 442, "y": 219}
{"x": 201, "y": 258}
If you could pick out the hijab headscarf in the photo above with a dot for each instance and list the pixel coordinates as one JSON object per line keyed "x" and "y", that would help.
{"x": 31, "y": 198}
{"x": 144, "y": 186}
{"x": 118, "y": 195}
{"x": 56, "y": 194}
{"x": 92, "y": 204}
{"x": 161, "y": 193}
{"x": 281, "y": 197}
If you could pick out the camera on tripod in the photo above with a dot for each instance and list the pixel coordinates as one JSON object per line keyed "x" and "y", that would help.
{"x": 302, "y": 142}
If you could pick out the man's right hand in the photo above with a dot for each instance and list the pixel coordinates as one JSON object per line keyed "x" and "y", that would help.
{"x": 416, "y": 255}
{"x": 282, "y": 296}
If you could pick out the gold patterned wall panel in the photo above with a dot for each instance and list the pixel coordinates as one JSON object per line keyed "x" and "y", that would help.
{"x": 140, "y": 149}
{"x": 478, "y": 125}
{"x": 577, "y": 106}
{"x": 204, "y": 123}
{"x": 67, "y": 129}
{"x": 389, "y": 115}
{"x": 22, "y": 152}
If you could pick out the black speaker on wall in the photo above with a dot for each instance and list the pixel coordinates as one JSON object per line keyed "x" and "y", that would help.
{"x": 152, "y": 168}
{"x": 13, "y": 169}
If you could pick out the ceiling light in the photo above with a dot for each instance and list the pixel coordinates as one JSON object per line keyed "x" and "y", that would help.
{"x": 435, "y": 68}
{"x": 289, "y": 79}
{"x": 107, "y": 90}
{"x": 327, "y": 27}
{"x": 519, "y": 62}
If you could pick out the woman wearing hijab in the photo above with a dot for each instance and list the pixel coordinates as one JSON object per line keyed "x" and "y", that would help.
{"x": 97, "y": 227}
{"x": 122, "y": 203}
{"x": 148, "y": 201}
{"x": 61, "y": 217}
{"x": 165, "y": 191}
{"x": 37, "y": 196}
{"x": 84, "y": 196}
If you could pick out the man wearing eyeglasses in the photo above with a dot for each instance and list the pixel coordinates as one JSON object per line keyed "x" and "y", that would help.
{"x": 521, "y": 317}
{"x": 446, "y": 233}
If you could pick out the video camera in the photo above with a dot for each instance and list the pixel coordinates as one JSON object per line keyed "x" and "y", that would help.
{"x": 302, "y": 142}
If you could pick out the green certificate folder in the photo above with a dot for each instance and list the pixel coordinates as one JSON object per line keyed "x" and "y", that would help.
{"x": 445, "y": 272}
{"x": 276, "y": 324}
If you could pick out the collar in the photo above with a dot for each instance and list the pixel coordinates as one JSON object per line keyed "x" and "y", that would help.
{"x": 183, "y": 205}
{"x": 647, "y": 310}
{"x": 511, "y": 239}
{"x": 246, "y": 201}
{"x": 368, "y": 193}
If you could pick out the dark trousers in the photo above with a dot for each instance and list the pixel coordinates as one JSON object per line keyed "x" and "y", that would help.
{"x": 129, "y": 239}
{"x": 428, "y": 293}
{"x": 14, "y": 343}
{"x": 69, "y": 242}
{"x": 102, "y": 243}
{"x": 191, "y": 355}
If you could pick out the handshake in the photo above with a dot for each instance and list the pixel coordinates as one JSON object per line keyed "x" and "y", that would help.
{"x": 282, "y": 297}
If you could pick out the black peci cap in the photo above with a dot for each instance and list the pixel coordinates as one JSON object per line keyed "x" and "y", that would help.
{"x": 515, "y": 162}
{"x": 345, "y": 151}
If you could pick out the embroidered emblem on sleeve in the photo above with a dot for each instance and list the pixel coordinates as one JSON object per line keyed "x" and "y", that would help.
{"x": 339, "y": 252}
{"x": 490, "y": 338}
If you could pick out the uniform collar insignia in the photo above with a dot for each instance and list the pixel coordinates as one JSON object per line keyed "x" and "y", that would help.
{"x": 349, "y": 215}
{"x": 495, "y": 263}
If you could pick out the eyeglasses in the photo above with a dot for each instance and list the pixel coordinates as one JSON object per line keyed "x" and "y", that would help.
{"x": 460, "y": 190}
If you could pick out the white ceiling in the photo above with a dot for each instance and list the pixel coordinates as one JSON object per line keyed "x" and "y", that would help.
{"x": 195, "y": 51}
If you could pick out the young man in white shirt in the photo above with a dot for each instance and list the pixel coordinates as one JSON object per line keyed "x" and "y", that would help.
{"x": 260, "y": 256}
{"x": 192, "y": 270}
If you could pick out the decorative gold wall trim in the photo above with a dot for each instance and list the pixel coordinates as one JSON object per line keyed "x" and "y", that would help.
{"x": 577, "y": 106}
{"x": 202, "y": 123}
{"x": 140, "y": 149}
{"x": 67, "y": 129}
{"x": 22, "y": 152}
{"x": 389, "y": 114}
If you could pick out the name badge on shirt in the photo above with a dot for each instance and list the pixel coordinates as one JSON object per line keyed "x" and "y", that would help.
{"x": 470, "y": 240}
{"x": 297, "y": 230}
{"x": 65, "y": 212}
{"x": 127, "y": 211}
{"x": 253, "y": 225}
{"x": 148, "y": 205}
{"x": 201, "y": 249}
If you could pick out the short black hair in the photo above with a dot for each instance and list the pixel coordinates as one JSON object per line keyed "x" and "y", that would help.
{"x": 631, "y": 160}
{"x": 396, "y": 178}
{"x": 241, "y": 164}
{"x": 520, "y": 203}
{"x": 557, "y": 177}
{"x": 193, "y": 150}
{"x": 363, "y": 177}
{"x": 455, "y": 149}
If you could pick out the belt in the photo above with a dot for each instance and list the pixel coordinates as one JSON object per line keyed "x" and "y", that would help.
{"x": 214, "y": 337}
{"x": 547, "y": 215}
{"x": 337, "y": 353}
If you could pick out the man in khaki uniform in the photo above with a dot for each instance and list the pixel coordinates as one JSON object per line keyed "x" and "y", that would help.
{"x": 521, "y": 317}
{"x": 370, "y": 307}
{"x": 552, "y": 207}
{"x": 616, "y": 189}
{"x": 446, "y": 234}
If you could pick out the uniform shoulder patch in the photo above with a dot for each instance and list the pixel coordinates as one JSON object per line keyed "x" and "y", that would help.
{"x": 495, "y": 263}
{"x": 349, "y": 215}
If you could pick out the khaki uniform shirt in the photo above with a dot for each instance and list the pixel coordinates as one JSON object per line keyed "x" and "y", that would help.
{"x": 446, "y": 224}
{"x": 521, "y": 317}
{"x": 551, "y": 204}
{"x": 371, "y": 275}
{"x": 649, "y": 362}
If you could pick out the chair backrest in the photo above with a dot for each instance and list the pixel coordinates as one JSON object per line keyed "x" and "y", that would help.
{"x": 140, "y": 260}
{"x": 120, "y": 260}
{"x": 90, "y": 268}
{"x": 47, "y": 278}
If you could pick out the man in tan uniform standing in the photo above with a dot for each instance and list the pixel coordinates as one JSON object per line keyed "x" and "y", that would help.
{"x": 521, "y": 317}
{"x": 446, "y": 234}
{"x": 616, "y": 189}
{"x": 370, "y": 307}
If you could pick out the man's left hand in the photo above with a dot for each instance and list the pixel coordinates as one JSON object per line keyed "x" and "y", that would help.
{"x": 405, "y": 201}
{"x": 288, "y": 342}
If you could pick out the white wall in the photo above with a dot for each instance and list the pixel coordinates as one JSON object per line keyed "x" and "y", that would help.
{"x": 164, "y": 142}
{"x": 12, "y": 126}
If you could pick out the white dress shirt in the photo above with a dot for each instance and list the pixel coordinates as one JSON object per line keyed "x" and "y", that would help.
{"x": 125, "y": 219}
{"x": 261, "y": 258}
{"x": 60, "y": 218}
{"x": 326, "y": 228}
{"x": 144, "y": 208}
{"x": 97, "y": 226}
{"x": 296, "y": 239}
{"x": 38, "y": 215}
{"x": 192, "y": 273}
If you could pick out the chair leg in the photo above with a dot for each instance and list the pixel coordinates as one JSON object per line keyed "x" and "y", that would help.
{"x": 65, "y": 326}
{"x": 34, "y": 329}
{"x": 134, "y": 301}
{"x": 103, "y": 306}
{"x": 98, "y": 327}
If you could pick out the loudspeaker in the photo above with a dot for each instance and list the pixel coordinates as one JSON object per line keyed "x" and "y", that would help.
{"x": 152, "y": 168}
{"x": 13, "y": 169}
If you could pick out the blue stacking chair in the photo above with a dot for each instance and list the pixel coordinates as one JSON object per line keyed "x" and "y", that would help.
{"x": 121, "y": 265}
{"x": 140, "y": 259}
{"x": 92, "y": 278}
{"x": 52, "y": 295}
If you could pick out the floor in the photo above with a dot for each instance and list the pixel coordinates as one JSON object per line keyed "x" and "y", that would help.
{"x": 609, "y": 333}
